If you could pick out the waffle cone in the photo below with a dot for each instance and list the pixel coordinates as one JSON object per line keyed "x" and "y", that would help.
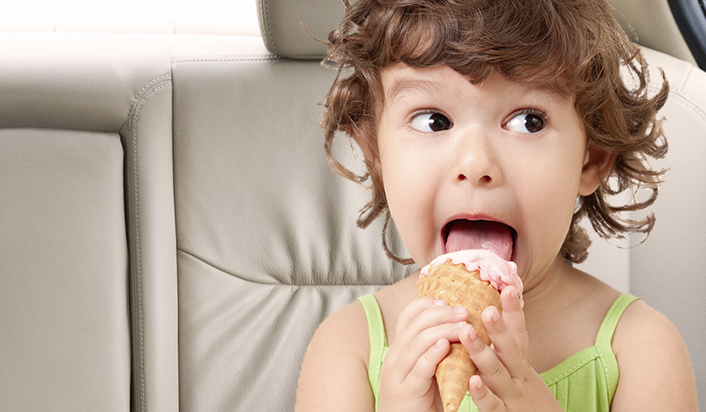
{"x": 458, "y": 287}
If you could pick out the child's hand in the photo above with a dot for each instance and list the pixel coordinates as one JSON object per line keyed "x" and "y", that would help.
{"x": 422, "y": 337}
{"x": 505, "y": 380}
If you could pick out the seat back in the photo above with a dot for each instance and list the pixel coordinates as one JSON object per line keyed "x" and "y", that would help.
{"x": 267, "y": 244}
{"x": 87, "y": 243}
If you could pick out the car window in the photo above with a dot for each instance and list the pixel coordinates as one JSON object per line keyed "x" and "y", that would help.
{"x": 690, "y": 16}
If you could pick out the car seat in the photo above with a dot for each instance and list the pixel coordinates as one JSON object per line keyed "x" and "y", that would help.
{"x": 88, "y": 287}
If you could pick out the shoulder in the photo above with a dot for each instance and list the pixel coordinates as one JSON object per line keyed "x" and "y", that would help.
{"x": 334, "y": 371}
{"x": 654, "y": 364}
{"x": 643, "y": 328}
{"x": 346, "y": 330}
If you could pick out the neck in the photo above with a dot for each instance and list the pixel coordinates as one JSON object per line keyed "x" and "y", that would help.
{"x": 546, "y": 286}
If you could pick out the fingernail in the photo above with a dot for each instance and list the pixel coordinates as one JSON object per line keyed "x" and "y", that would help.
{"x": 439, "y": 343}
{"x": 459, "y": 325}
{"x": 494, "y": 315}
{"x": 439, "y": 302}
{"x": 460, "y": 310}
{"x": 477, "y": 383}
{"x": 472, "y": 335}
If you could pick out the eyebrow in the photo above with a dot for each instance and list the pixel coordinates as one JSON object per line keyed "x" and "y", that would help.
{"x": 401, "y": 86}
{"x": 551, "y": 91}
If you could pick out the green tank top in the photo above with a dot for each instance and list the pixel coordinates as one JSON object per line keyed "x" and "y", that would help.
{"x": 585, "y": 382}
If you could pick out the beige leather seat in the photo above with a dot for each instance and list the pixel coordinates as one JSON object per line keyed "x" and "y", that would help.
{"x": 88, "y": 285}
{"x": 267, "y": 244}
{"x": 171, "y": 234}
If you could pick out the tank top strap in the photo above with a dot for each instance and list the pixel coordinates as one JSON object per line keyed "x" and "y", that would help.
{"x": 378, "y": 342}
{"x": 604, "y": 339}
{"x": 610, "y": 322}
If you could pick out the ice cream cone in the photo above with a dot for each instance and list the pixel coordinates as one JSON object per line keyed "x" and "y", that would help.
{"x": 457, "y": 286}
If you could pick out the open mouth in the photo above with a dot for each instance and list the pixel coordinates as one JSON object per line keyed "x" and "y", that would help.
{"x": 496, "y": 237}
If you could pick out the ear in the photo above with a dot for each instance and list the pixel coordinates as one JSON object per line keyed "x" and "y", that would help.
{"x": 596, "y": 166}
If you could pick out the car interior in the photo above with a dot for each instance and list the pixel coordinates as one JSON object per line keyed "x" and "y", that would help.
{"x": 171, "y": 234}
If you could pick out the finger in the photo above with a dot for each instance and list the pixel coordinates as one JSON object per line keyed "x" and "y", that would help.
{"x": 484, "y": 399}
{"x": 421, "y": 324}
{"x": 406, "y": 354}
{"x": 426, "y": 313}
{"x": 515, "y": 317}
{"x": 419, "y": 380}
{"x": 505, "y": 345}
{"x": 490, "y": 368}
{"x": 416, "y": 307}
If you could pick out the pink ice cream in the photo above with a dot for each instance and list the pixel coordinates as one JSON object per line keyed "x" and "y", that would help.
{"x": 498, "y": 272}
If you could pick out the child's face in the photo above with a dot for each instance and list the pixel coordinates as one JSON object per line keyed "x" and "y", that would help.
{"x": 498, "y": 151}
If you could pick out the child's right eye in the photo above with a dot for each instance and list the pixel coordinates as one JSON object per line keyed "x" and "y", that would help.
{"x": 431, "y": 122}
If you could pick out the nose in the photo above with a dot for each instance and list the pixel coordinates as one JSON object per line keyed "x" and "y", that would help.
{"x": 476, "y": 162}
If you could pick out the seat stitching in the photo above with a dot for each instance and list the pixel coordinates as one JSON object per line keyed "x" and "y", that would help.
{"x": 689, "y": 103}
{"x": 268, "y": 27}
{"x": 686, "y": 77}
{"x": 136, "y": 208}
{"x": 150, "y": 83}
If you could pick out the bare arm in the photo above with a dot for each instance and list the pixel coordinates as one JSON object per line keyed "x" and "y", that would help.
{"x": 334, "y": 374}
{"x": 655, "y": 370}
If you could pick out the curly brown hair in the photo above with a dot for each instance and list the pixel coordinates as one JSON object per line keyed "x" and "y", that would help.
{"x": 574, "y": 46}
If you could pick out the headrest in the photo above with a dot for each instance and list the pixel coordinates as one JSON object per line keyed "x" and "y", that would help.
{"x": 281, "y": 23}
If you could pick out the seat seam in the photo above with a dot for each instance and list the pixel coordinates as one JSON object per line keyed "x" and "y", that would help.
{"x": 136, "y": 109}
{"x": 147, "y": 86}
{"x": 696, "y": 104}
{"x": 698, "y": 110}
{"x": 268, "y": 27}
{"x": 296, "y": 285}
{"x": 688, "y": 102}
{"x": 686, "y": 77}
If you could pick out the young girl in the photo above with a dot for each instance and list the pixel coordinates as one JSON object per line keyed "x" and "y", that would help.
{"x": 497, "y": 125}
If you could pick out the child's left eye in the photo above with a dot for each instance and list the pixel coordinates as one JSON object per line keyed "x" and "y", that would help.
{"x": 526, "y": 123}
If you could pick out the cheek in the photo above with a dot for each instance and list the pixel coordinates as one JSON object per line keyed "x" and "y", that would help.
{"x": 402, "y": 183}
{"x": 550, "y": 195}
{"x": 410, "y": 196}
{"x": 400, "y": 169}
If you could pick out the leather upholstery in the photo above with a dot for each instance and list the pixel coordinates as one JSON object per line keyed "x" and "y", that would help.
{"x": 650, "y": 23}
{"x": 281, "y": 24}
{"x": 265, "y": 229}
{"x": 666, "y": 270}
{"x": 63, "y": 268}
{"x": 87, "y": 232}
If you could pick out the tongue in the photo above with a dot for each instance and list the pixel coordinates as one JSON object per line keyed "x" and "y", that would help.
{"x": 491, "y": 236}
